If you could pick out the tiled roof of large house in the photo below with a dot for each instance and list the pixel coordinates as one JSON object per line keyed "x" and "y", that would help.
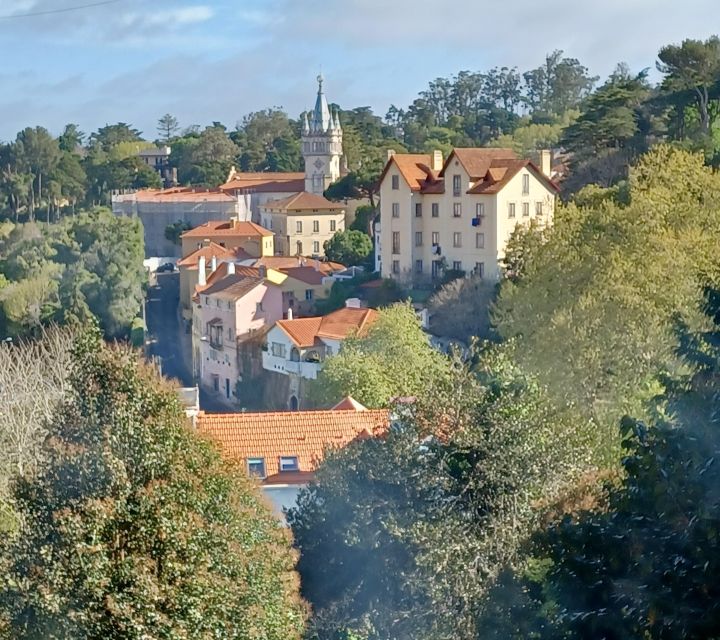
{"x": 337, "y": 325}
{"x": 414, "y": 168}
{"x": 265, "y": 182}
{"x": 209, "y": 251}
{"x": 501, "y": 172}
{"x": 477, "y": 160}
{"x": 227, "y": 228}
{"x": 308, "y": 275}
{"x": 302, "y": 201}
{"x": 179, "y": 194}
{"x": 348, "y": 403}
{"x": 233, "y": 286}
{"x": 304, "y": 435}
{"x": 288, "y": 262}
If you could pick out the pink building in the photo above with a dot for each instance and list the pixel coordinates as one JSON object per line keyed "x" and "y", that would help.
{"x": 235, "y": 304}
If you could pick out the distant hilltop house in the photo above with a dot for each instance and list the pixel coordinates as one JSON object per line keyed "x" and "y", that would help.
{"x": 457, "y": 213}
{"x": 158, "y": 158}
{"x": 283, "y": 449}
{"x": 291, "y": 204}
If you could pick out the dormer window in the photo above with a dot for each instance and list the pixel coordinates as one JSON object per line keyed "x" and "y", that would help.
{"x": 256, "y": 467}
{"x": 289, "y": 463}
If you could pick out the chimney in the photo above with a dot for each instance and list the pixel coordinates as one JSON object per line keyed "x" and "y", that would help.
{"x": 546, "y": 161}
{"x": 201, "y": 271}
{"x": 262, "y": 271}
{"x": 317, "y": 264}
{"x": 437, "y": 160}
{"x": 390, "y": 153}
{"x": 353, "y": 303}
{"x": 230, "y": 268}
{"x": 289, "y": 313}
{"x": 213, "y": 264}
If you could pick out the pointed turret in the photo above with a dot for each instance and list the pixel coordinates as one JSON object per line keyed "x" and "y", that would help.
{"x": 338, "y": 128}
{"x": 321, "y": 114}
{"x": 306, "y": 124}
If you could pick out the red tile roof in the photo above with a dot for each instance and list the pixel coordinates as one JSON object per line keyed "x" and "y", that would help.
{"x": 209, "y": 251}
{"x": 337, "y": 325}
{"x": 348, "y": 403}
{"x": 228, "y": 228}
{"x": 281, "y": 263}
{"x": 502, "y": 171}
{"x": 477, "y": 160}
{"x": 302, "y": 201}
{"x": 302, "y": 434}
{"x": 233, "y": 286}
{"x": 181, "y": 194}
{"x": 265, "y": 182}
{"x": 308, "y": 275}
{"x": 413, "y": 167}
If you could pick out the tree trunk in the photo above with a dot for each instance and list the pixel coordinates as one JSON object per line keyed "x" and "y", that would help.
{"x": 703, "y": 107}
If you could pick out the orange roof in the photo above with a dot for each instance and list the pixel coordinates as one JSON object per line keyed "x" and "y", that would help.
{"x": 502, "y": 171}
{"x": 281, "y": 263}
{"x": 209, "y": 251}
{"x": 337, "y": 325}
{"x": 180, "y": 194}
{"x": 227, "y": 228}
{"x": 348, "y": 403}
{"x": 301, "y": 434}
{"x": 308, "y": 275}
{"x": 302, "y": 201}
{"x": 476, "y": 161}
{"x": 233, "y": 286}
{"x": 265, "y": 181}
{"x": 413, "y": 167}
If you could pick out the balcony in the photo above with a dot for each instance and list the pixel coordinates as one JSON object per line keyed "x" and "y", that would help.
{"x": 308, "y": 370}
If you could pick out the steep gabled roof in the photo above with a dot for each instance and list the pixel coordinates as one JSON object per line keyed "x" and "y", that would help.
{"x": 209, "y": 251}
{"x": 477, "y": 160}
{"x": 302, "y": 201}
{"x": 348, "y": 403}
{"x": 502, "y": 171}
{"x": 283, "y": 263}
{"x": 413, "y": 167}
{"x": 301, "y": 434}
{"x": 233, "y": 286}
{"x": 235, "y": 228}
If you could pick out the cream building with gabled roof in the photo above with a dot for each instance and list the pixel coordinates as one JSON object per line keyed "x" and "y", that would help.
{"x": 458, "y": 213}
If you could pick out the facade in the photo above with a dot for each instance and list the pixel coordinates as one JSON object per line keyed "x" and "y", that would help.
{"x": 159, "y": 208}
{"x": 457, "y": 214}
{"x": 284, "y": 448}
{"x": 209, "y": 256}
{"x": 250, "y": 240}
{"x": 297, "y": 347}
{"x": 302, "y": 223}
{"x": 158, "y": 158}
{"x": 234, "y": 304}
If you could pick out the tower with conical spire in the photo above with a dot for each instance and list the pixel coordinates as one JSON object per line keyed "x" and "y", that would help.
{"x": 321, "y": 144}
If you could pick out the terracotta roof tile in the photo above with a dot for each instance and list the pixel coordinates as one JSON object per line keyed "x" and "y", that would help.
{"x": 232, "y": 286}
{"x": 209, "y": 251}
{"x": 337, "y": 325}
{"x": 282, "y": 263}
{"x": 502, "y": 171}
{"x": 308, "y": 275}
{"x": 227, "y": 228}
{"x": 302, "y": 201}
{"x": 477, "y": 160}
{"x": 302, "y": 434}
{"x": 348, "y": 403}
{"x": 413, "y": 167}
{"x": 180, "y": 194}
{"x": 266, "y": 182}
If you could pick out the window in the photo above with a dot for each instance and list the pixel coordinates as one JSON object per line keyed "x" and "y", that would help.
{"x": 299, "y": 247}
{"x": 418, "y": 238}
{"x": 289, "y": 463}
{"x": 457, "y": 209}
{"x": 480, "y": 269}
{"x": 277, "y": 349}
{"x": 418, "y": 266}
{"x": 316, "y": 247}
{"x": 436, "y": 237}
{"x": 308, "y": 294}
{"x": 395, "y": 182}
{"x": 396, "y": 242}
{"x": 511, "y": 209}
{"x": 258, "y": 307}
{"x": 538, "y": 208}
{"x": 435, "y": 207}
{"x": 457, "y": 265}
{"x": 216, "y": 382}
{"x": 480, "y": 210}
{"x": 526, "y": 184}
{"x": 332, "y": 225}
{"x": 396, "y": 266}
{"x": 256, "y": 467}
{"x": 479, "y": 240}
{"x": 215, "y": 332}
{"x": 418, "y": 209}
{"x": 316, "y": 226}
{"x": 457, "y": 239}
{"x": 298, "y": 226}
{"x": 230, "y": 335}
{"x": 456, "y": 186}
{"x": 207, "y": 300}
{"x": 395, "y": 209}
{"x": 526, "y": 209}
{"x": 229, "y": 304}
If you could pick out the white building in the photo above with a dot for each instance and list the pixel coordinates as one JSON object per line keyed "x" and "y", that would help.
{"x": 457, "y": 214}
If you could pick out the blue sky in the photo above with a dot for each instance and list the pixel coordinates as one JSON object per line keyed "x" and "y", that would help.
{"x": 134, "y": 60}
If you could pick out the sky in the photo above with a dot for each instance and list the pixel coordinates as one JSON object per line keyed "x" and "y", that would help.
{"x": 217, "y": 60}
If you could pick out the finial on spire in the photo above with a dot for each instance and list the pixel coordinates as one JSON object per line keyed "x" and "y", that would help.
{"x": 320, "y": 80}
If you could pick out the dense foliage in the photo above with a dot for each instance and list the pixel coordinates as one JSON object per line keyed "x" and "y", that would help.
{"x": 134, "y": 528}
{"x": 87, "y": 265}
{"x": 349, "y": 247}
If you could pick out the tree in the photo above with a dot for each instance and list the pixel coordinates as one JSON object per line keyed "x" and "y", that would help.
{"x": 364, "y": 217}
{"x": 104, "y": 549}
{"x": 268, "y": 141}
{"x": 71, "y": 138}
{"x": 460, "y": 309}
{"x": 167, "y": 128}
{"x": 107, "y": 137}
{"x": 38, "y": 152}
{"x": 694, "y": 67}
{"x": 394, "y": 359}
{"x": 175, "y": 230}
{"x": 211, "y": 157}
{"x": 348, "y": 247}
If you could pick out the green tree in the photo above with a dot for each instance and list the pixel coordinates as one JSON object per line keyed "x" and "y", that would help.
{"x": 349, "y": 247}
{"x": 394, "y": 359}
{"x": 211, "y": 157}
{"x": 71, "y": 138}
{"x": 460, "y": 309}
{"x": 175, "y": 230}
{"x": 39, "y": 153}
{"x": 110, "y": 135}
{"x": 105, "y": 550}
{"x": 167, "y": 128}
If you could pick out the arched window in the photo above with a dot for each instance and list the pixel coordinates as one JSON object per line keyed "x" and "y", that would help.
{"x": 294, "y": 404}
{"x": 294, "y": 355}
{"x": 312, "y": 356}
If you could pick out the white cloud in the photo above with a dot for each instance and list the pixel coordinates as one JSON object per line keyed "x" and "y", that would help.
{"x": 170, "y": 18}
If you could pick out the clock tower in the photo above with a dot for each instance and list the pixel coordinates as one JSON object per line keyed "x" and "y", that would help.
{"x": 321, "y": 145}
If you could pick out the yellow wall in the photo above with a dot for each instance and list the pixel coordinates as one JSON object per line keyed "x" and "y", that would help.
{"x": 284, "y": 226}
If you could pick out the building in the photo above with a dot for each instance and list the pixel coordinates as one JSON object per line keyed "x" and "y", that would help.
{"x": 284, "y": 448}
{"x": 209, "y": 255}
{"x": 160, "y": 208}
{"x": 158, "y": 158}
{"x": 459, "y": 213}
{"x": 234, "y": 304}
{"x": 247, "y": 238}
{"x": 302, "y": 223}
{"x": 297, "y": 347}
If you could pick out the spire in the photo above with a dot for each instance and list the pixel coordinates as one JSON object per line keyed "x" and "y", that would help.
{"x": 306, "y": 124}
{"x": 321, "y": 119}
{"x": 337, "y": 127}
